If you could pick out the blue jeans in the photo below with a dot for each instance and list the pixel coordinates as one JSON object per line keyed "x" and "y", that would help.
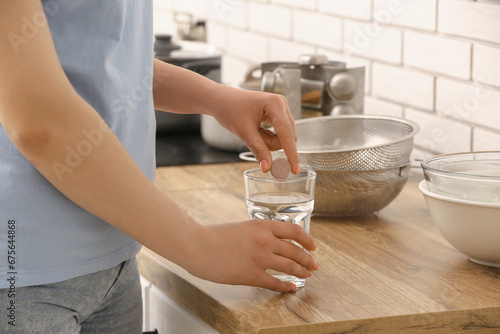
{"x": 107, "y": 301}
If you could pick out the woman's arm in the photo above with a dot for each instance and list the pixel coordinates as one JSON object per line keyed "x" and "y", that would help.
{"x": 178, "y": 90}
{"x": 35, "y": 96}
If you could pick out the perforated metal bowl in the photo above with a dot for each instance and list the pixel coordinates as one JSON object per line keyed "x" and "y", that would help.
{"x": 355, "y": 142}
{"x": 357, "y": 193}
{"x": 362, "y": 162}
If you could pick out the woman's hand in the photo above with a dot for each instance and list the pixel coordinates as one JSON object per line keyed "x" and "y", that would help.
{"x": 242, "y": 112}
{"x": 239, "y": 253}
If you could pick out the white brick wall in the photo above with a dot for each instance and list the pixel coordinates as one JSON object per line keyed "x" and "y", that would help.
{"x": 470, "y": 19}
{"x": 247, "y": 45}
{"x": 375, "y": 106}
{"x": 437, "y": 54}
{"x": 485, "y": 140}
{"x": 288, "y": 50}
{"x": 358, "y": 9}
{"x": 317, "y": 29}
{"x": 402, "y": 85}
{"x": 420, "y": 14}
{"x": 295, "y": 3}
{"x": 234, "y": 16}
{"x": 372, "y": 40}
{"x": 271, "y": 20}
{"x": 196, "y": 7}
{"x": 439, "y": 134}
{"x": 468, "y": 103}
{"x": 436, "y": 62}
{"x": 486, "y": 65}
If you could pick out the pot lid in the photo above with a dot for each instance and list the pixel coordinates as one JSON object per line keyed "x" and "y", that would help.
{"x": 184, "y": 50}
{"x": 163, "y": 45}
{"x": 195, "y": 50}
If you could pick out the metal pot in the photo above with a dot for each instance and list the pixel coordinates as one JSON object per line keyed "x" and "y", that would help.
{"x": 219, "y": 137}
{"x": 326, "y": 86}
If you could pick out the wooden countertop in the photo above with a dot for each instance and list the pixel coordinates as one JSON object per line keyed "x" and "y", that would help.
{"x": 386, "y": 273}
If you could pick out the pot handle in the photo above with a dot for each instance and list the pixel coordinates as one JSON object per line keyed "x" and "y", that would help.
{"x": 247, "y": 156}
{"x": 252, "y": 73}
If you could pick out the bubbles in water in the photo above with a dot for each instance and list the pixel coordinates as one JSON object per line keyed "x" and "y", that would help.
{"x": 282, "y": 218}
{"x": 259, "y": 215}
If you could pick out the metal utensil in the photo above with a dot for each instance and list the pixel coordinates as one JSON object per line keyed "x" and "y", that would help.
{"x": 362, "y": 162}
{"x": 357, "y": 193}
{"x": 355, "y": 142}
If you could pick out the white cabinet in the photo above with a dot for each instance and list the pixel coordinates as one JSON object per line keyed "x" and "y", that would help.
{"x": 167, "y": 316}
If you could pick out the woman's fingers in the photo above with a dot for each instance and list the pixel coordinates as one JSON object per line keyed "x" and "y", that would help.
{"x": 274, "y": 284}
{"x": 288, "y": 257}
{"x": 279, "y": 115}
{"x": 295, "y": 232}
{"x": 257, "y": 144}
{"x": 300, "y": 262}
{"x": 271, "y": 139}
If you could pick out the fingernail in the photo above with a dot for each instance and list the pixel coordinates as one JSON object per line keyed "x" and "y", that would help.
{"x": 293, "y": 287}
{"x": 264, "y": 166}
{"x": 314, "y": 247}
{"x": 316, "y": 266}
{"x": 309, "y": 274}
{"x": 297, "y": 169}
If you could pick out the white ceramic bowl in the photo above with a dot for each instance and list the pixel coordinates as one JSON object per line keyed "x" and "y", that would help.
{"x": 473, "y": 228}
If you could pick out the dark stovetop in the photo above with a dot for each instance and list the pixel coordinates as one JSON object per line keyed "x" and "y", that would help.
{"x": 189, "y": 149}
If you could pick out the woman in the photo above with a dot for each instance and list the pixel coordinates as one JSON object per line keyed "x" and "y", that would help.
{"x": 78, "y": 90}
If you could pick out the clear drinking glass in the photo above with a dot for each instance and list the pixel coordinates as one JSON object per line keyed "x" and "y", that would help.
{"x": 289, "y": 200}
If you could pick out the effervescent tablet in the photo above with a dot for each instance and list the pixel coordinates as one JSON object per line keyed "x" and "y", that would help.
{"x": 280, "y": 168}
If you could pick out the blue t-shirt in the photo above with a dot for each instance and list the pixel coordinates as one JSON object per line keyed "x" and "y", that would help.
{"x": 106, "y": 50}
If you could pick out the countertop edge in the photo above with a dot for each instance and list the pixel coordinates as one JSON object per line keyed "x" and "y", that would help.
{"x": 470, "y": 321}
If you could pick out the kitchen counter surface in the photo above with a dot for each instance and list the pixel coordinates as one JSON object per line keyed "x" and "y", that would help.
{"x": 386, "y": 273}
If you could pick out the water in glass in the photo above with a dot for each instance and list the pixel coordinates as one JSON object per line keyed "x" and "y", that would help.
{"x": 294, "y": 208}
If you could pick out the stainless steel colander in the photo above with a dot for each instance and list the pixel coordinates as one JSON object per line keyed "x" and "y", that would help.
{"x": 362, "y": 162}
{"x": 357, "y": 193}
{"x": 356, "y": 142}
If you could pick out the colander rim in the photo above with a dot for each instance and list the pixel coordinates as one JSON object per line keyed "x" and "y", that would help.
{"x": 415, "y": 130}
